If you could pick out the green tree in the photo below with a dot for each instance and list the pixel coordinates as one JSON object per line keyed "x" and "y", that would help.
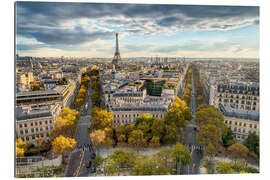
{"x": 158, "y": 128}
{"x": 224, "y": 168}
{"x": 252, "y": 143}
{"x": 181, "y": 154}
{"x": 171, "y": 134}
{"x": 228, "y": 138}
{"x": 123, "y": 159}
{"x": 98, "y": 161}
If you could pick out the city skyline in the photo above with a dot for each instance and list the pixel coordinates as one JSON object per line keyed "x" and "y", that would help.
{"x": 88, "y": 30}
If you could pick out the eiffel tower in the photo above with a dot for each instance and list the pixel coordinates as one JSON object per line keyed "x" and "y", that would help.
{"x": 116, "y": 59}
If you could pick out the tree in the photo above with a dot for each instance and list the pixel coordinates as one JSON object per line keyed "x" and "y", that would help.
{"x": 252, "y": 143}
{"x": 136, "y": 139}
{"x": 208, "y": 134}
{"x": 154, "y": 143}
{"x": 147, "y": 118}
{"x": 177, "y": 114}
{"x": 123, "y": 159}
{"x": 228, "y": 139}
{"x": 144, "y": 165}
{"x": 101, "y": 118}
{"x": 181, "y": 154}
{"x": 95, "y": 97}
{"x": 224, "y": 168}
{"x": 122, "y": 140}
{"x": 171, "y": 134}
{"x": 200, "y": 99}
{"x": 121, "y": 134}
{"x": 20, "y": 147}
{"x": 211, "y": 150}
{"x": 34, "y": 86}
{"x": 128, "y": 129}
{"x": 146, "y": 129}
{"x": 164, "y": 156}
{"x": 165, "y": 86}
{"x": 98, "y": 161}
{"x": 98, "y": 138}
{"x": 158, "y": 128}
{"x": 79, "y": 102}
{"x": 62, "y": 144}
{"x": 238, "y": 151}
{"x": 68, "y": 117}
{"x": 109, "y": 136}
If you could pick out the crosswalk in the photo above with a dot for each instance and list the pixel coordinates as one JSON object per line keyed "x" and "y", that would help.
{"x": 193, "y": 147}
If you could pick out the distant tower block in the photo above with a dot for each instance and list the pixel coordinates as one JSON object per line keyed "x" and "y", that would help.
{"x": 116, "y": 59}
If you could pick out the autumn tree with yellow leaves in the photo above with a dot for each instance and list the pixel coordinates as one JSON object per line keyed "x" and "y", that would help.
{"x": 101, "y": 118}
{"x": 98, "y": 138}
{"x": 62, "y": 145}
{"x": 66, "y": 123}
{"x": 20, "y": 147}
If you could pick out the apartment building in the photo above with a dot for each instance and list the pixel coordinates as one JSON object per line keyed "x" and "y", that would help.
{"x": 243, "y": 96}
{"x": 241, "y": 122}
{"x": 32, "y": 123}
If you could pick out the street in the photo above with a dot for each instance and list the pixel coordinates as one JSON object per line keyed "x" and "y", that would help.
{"x": 82, "y": 153}
{"x": 190, "y": 140}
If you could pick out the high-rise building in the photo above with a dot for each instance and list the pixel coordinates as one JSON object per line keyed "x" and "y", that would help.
{"x": 116, "y": 59}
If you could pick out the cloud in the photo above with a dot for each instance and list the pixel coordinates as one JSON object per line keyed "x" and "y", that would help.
{"x": 77, "y": 23}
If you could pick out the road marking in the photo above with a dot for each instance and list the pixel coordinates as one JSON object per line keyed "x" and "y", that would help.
{"x": 79, "y": 167}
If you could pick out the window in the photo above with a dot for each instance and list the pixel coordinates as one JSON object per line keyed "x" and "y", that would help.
{"x": 32, "y": 124}
{"x": 230, "y": 122}
{"x": 21, "y": 132}
{"x": 41, "y": 129}
{"x": 235, "y": 123}
{"x": 255, "y": 126}
{"x": 51, "y": 121}
{"x": 47, "y": 128}
{"x": 36, "y": 123}
{"x": 244, "y": 124}
{"x": 240, "y": 124}
{"x": 234, "y": 129}
{"x": 33, "y": 137}
{"x": 41, "y": 135}
{"x": 36, "y": 129}
{"x": 250, "y": 125}
{"x": 51, "y": 127}
{"x": 239, "y": 130}
{"x": 27, "y": 138}
{"x": 226, "y": 121}
{"x": 25, "y": 125}
{"x": 20, "y": 125}
{"x": 244, "y": 130}
{"x": 26, "y": 131}
{"x": 40, "y": 123}
{"x": 32, "y": 130}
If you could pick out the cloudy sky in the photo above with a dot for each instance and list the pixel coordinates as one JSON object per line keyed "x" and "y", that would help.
{"x": 88, "y": 30}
